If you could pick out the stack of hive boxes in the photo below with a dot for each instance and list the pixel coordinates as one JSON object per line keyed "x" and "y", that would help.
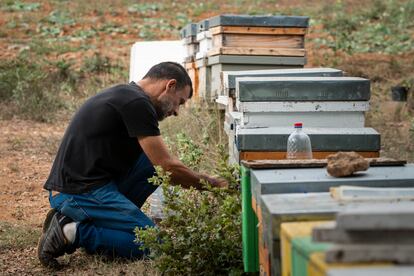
{"x": 282, "y": 195}
{"x": 368, "y": 236}
{"x": 263, "y": 105}
{"x": 376, "y": 232}
{"x": 189, "y": 39}
{"x": 241, "y": 42}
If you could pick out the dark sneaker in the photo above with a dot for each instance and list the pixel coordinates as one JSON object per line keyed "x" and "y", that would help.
{"x": 52, "y": 243}
{"x": 49, "y": 217}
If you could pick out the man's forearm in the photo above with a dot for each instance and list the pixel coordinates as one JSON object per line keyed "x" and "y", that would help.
{"x": 180, "y": 174}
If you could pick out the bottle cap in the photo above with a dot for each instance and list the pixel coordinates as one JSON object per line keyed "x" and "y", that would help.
{"x": 298, "y": 125}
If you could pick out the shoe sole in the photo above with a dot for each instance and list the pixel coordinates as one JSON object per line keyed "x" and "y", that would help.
{"x": 49, "y": 262}
{"x": 48, "y": 219}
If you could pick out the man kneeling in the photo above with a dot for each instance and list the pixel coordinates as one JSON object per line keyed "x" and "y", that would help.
{"x": 98, "y": 181}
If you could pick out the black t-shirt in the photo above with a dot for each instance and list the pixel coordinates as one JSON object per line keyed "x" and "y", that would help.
{"x": 100, "y": 143}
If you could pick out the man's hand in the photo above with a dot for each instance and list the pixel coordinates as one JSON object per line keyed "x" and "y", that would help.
{"x": 218, "y": 182}
{"x": 157, "y": 152}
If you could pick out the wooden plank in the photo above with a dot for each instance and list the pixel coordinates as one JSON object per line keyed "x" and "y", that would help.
{"x": 382, "y": 216}
{"x": 254, "y": 205}
{"x": 259, "y": 41}
{"x": 318, "y": 267}
{"x": 397, "y": 270}
{"x": 264, "y": 261}
{"x": 351, "y": 193}
{"x": 257, "y": 51}
{"x": 257, "y": 30}
{"x": 346, "y": 253}
{"x": 277, "y": 62}
{"x": 314, "y": 163}
{"x": 258, "y": 20}
{"x": 345, "y": 119}
{"x": 192, "y": 71}
{"x": 278, "y": 155}
{"x": 295, "y": 106}
{"x": 329, "y": 232}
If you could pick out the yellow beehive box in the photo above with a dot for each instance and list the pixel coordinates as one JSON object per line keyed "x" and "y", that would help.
{"x": 318, "y": 267}
{"x": 289, "y": 231}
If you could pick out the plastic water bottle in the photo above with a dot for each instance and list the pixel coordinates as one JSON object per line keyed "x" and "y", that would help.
{"x": 299, "y": 144}
{"x": 156, "y": 201}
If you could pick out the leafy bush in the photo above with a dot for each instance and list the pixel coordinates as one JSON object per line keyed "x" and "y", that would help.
{"x": 37, "y": 88}
{"x": 29, "y": 89}
{"x": 387, "y": 27}
{"x": 201, "y": 233}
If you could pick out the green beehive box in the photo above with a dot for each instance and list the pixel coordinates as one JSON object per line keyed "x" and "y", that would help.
{"x": 302, "y": 248}
{"x": 249, "y": 226}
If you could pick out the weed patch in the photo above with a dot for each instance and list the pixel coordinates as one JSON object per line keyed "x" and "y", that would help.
{"x": 387, "y": 27}
{"x": 28, "y": 88}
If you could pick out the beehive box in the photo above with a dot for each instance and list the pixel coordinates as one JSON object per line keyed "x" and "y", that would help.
{"x": 188, "y": 37}
{"x": 258, "y": 35}
{"x": 274, "y": 139}
{"x": 318, "y": 267}
{"x": 222, "y": 63}
{"x": 204, "y": 78}
{"x": 203, "y": 38}
{"x": 229, "y": 78}
{"x": 311, "y": 180}
{"x": 285, "y": 89}
{"x": 279, "y": 208}
{"x": 291, "y": 231}
{"x": 192, "y": 71}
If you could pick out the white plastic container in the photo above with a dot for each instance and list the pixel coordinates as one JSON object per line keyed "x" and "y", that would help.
{"x": 299, "y": 144}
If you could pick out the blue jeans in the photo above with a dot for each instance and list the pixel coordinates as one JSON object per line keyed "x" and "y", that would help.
{"x": 107, "y": 216}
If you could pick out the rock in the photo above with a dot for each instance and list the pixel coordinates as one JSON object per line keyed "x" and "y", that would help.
{"x": 346, "y": 163}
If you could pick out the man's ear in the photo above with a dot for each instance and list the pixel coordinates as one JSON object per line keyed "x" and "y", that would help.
{"x": 171, "y": 84}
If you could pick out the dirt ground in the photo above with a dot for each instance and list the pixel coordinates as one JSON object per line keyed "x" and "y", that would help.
{"x": 26, "y": 153}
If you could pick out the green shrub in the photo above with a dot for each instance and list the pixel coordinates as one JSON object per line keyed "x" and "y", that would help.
{"x": 28, "y": 90}
{"x": 201, "y": 233}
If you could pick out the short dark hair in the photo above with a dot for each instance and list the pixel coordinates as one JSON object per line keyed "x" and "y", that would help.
{"x": 171, "y": 70}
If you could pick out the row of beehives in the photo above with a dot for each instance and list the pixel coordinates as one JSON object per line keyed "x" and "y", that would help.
{"x": 241, "y": 42}
{"x": 296, "y": 232}
{"x": 263, "y": 105}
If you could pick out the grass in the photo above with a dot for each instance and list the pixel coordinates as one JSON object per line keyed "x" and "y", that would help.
{"x": 18, "y": 246}
{"x": 17, "y": 237}
{"x": 26, "y": 89}
{"x": 385, "y": 27}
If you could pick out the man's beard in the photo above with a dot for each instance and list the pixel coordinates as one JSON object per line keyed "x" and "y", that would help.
{"x": 162, "y": 108}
